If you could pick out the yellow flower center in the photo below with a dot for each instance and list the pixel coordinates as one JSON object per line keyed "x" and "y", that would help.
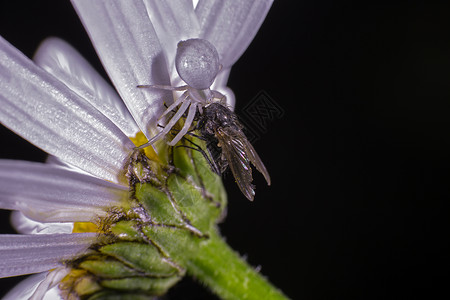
{"x": 79, "y": 227}
{"x": 139, "y": 140}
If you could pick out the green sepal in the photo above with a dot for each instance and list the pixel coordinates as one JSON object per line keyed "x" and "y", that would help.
{"x": 192, "y": 159}
{"x": 176, "y": 243}
{"x": 201, "y": 212}
{"x": 142, "y": 257}
{"x": 214, "y": 189}
{"x": 107, "y": 268}
{"x": 115, "y": 295}
{"x": 126, "y": 230}
{"x": 183, "y": 162}
{"x": 157, "y": 204}
{"x": 154, "y": 286}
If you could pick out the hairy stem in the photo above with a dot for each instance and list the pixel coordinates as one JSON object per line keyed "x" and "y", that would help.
{"x": 227, "y": 274}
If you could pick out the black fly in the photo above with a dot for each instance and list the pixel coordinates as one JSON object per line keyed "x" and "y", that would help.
{"x": 220, "y": 127}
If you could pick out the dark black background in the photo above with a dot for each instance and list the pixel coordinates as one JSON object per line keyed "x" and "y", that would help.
{"x": 358, "y": 208}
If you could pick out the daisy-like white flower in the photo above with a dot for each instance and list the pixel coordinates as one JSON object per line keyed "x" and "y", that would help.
{"x": 90, "y": 130}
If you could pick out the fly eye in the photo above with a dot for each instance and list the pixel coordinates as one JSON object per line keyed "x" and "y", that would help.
{"x": 197, "y": 63}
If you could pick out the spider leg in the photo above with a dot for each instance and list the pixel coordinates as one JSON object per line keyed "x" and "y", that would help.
{"x": 151, "y": 141}
{"x": 169, "y": 125}
{"x": 163, "y": 87}
{"x": 190, "y": 132}
{"x": 217, "y": 95}
{"x": 176, "y": 117}
{"x": 200, "y": 108}
{"x": 186, "y": 126}
{"x": 182, "y": 98}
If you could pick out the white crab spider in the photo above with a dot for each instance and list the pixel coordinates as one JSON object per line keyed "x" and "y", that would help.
{"x": 197, "y": 63}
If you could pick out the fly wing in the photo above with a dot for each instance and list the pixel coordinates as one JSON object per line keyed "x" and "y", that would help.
{"x": 256, "y": 160}
{"x": 234, "y": 150}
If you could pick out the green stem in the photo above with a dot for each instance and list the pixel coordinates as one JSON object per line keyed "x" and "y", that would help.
{"x": 227, "y": 274}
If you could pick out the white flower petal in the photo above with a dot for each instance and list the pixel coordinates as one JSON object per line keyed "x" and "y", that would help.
{"x": 24, "y": 225}
{"x": 34, "y": 286}
{"x": 53, "y": 160}
{"x": 65, "y": 63}
{"x": 51, "y": 294}
{"x": 26, "y": 254}
{"x": 43, "y": 110}
{"x": 173, "y": 20}
{"x": 49, "y": 193}
{"x": 129, "y": 49}
{"x": 231, "y": 25}
{"x": 194, "y": 3}
{"x": 51, "y": 281}
{"x": 25, "y": 289}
